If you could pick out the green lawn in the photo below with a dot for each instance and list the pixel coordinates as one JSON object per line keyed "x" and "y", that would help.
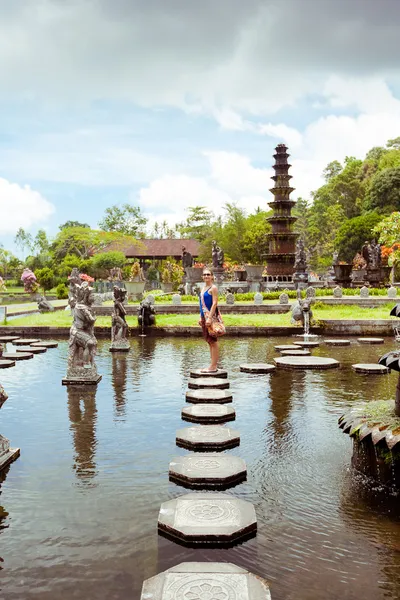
{"x": 321, "y": 312}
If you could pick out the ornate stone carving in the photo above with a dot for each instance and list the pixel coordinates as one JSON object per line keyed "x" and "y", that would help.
{"x": 44, "y": 305}
{"x": 82, "y": 342}
{"x": 176, "y": 300}
{"x": 337, "y": 292}
{"x": 187, "y": 258}
{"x": 218, "y": 256}
{"x": 310, "y": 292}
{"x": 146, "y": 313}
{"x": 119, "y": 326}
{"x": 364, "y": 292}
{"x": 4, "y": 446}
{"x": 258, "y": 298}
{"x": 230, "y": 298}
{"x": 392, "y": 292}
{"x": 284, "y": 298}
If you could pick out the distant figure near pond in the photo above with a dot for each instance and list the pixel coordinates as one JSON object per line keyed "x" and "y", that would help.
{"x": 210, "y": 318}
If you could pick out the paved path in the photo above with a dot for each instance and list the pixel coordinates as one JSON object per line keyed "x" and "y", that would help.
{"x": 29, "y": 307}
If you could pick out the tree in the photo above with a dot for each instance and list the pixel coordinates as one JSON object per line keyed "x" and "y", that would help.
{"x": 41, "y": 244}
{"x": 394, "y": 143}
{"x": 23, "y": 240}
{"x": 255, "y": 241}
{"x": 353, "y": 233}
{"x": 109, "y": 260}
{"x": 125, "y": 218}
{"x": 45, "y": 278}
{"x": 8, "y": 263}
{"x": 332, "y": 169}
{"x": 388, "y": 230}
{"x": 197, "y": 224}
{"x": 384, "y": 193}
{"x": 69, "y": 224}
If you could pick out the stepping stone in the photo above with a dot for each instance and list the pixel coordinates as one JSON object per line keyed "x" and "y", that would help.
{"x": 198, "y": 373}
{"x": 306, "y": 362}
{"x": 32, "y": 349}
{"x": 199, "y": 517}
{"x": 208, "y": 413}
{"x": 17, "y": 355}
{"x": 337, "y": 342}
{"x": 257, "y": 368}
{"x": 25, "y": 341}
{"x": 205, "y": 581}
{"x": 371, "y": 368}
{"x": 44, "y": 344}
{"x": 204, "y": 383}
{"x": 370, "y": 340}
{"x": 6, "y": 364}
{"x": 8, "y": 457}
{"x": 306, "y": 344}
{"x": 286, "y": 347}
{"x": 8, "y": 338}
{"x": 207, "y": 437}
{"x": 209, "y": 396}
{"x": 297, "y": 352}
{"x": 207, "y": 471}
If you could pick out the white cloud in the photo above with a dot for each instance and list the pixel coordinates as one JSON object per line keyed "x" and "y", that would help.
{"x": 21, "y": 207}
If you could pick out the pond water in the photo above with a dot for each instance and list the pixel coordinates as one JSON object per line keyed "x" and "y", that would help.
{"x": 79, "y": 508}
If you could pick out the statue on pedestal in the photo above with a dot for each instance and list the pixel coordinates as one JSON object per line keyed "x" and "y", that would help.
{"x": 146, "y": 313}
{"x": 119, "y": 326}
{"x": 82, "y": 342}
{"x": 217, "y": 256}
{"x": 44, "y": 305}
{"x": 187, "y": 258}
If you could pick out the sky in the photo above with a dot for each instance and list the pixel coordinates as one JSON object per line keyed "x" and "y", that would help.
{"x": 167, "y": 104}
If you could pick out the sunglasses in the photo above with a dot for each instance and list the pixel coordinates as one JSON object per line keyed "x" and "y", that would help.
{"x": 207, "y": 275}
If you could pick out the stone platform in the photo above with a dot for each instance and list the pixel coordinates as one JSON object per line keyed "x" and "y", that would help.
{"x": 81, "y": 381}
{"x": 205, "y": 581}
{"x": 306, "y": 362}
{"x": 337, "y": 342}
{"x": 119, "y": 347}
{"x": 44, "y": 344}
{"x": 370, "y": 340}
{"x": 370, "y": 369}
{"x": 4, "y": 339}
{"x": 25, "y": 341}
{"x": 206, "y": 518}
{"x": 9, "y": 457}
{"x": 208, "y": 413}
{"x": 207, "y": 437}
{"x": 17, "y": 355}
{"x": 198, "y": 373}
{"x": 281, "y": 347}
{"x": 298, "y": 352}
{"x": 32, "y": 349}
{"x": 207, "y": 471}
{"x": 6, "y": 364}
{"x": 212, "y": 396}
{"x": 306, "y": 344}
{"x": 259, "y": 368}
{"x": 204, "y": 383}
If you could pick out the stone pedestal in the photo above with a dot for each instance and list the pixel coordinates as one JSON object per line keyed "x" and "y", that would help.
{"x": 120, "y": 346}
{"x": 219, "y": 274}
{"x": 7, "y": 454}
{"x": 82, "y": 376}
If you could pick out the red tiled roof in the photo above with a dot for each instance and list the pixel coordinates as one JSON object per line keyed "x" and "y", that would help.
{"x": 161, "y": 248}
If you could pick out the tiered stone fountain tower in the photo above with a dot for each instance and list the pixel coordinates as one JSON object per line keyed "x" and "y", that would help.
{"x": 282, "y": 240}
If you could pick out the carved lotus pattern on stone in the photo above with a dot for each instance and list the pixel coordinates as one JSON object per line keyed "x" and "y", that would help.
{"x": 206, "y": 591}
{"x": 203, "y": 512}
{"x": 207, "y": 463}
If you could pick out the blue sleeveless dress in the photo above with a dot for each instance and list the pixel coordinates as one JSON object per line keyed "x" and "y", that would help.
{"x": 207, "y": 301}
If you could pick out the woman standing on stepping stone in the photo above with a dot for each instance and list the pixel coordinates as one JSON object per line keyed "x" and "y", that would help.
{"x": 208, "y": 308}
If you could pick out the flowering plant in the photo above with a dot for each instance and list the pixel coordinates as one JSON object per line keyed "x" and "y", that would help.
{"x": 199, "y": 265}
{"x": 85, "y": 277}
{"x": 28, "y": 278}
{"x": 359, "y": 262}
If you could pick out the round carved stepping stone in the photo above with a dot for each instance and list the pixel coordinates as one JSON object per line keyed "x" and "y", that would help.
{"x": 207, "y": 437}
{"x": 306, "y": 362}
{"x": 306, "y": 344}
{"x": 17, "y": 355}
{"x": 205, "y": 581}
{"x": 25, "y": 341}
{"x": 216, "y": 518}
{"x": 371, "y": 340}
{"x": 8, "y": 338}
{"x": 208, "y": 413}
{"x": 286, "y": 347}
{"x": 297, "y": 352}
{"x": 212, "y": 396}
{"x": 337, "y": 342}
{"x": 6, "y": 364}
{"x": 204, "y": 383}
{"x": 32, "y": 349}
{"x": 207, "y": 470}
{"x": 45, "y": 344}
{"x": 222, "y": 373}
{"x": 257, "y": 368}
{"x": 371, "y": 369}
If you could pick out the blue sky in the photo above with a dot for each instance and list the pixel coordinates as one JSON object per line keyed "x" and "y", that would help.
{"x": 168, "y": 105}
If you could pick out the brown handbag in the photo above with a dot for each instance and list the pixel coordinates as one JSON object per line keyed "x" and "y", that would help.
{"x": 216, "y": 327}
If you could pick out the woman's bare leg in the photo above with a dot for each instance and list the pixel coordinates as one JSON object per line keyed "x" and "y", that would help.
{"x": 214, "y": 353}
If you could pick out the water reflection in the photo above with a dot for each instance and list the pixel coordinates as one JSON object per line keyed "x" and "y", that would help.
{"x": 119, "y": 381}
{"x": 83, "y": 415}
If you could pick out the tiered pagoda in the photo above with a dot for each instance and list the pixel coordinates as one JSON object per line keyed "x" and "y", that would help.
{"x": 282, "y": 240}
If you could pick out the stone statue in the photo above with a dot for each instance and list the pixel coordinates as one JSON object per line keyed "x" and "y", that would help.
{"x": 335, "y": 258}
{"x": 1, "y": 350}
{"x": 300, "y": 264}
{"x": 300, "y": 307}
{"x": 146, "y": 313}
{"x": 218, "y": 256}
{"x": 116, "y": 274}
{"x": 4, "y": 446}
{"x": 119, "y": 326}
{"x": 187, "y": 258}
{"x": 365, "y": 252}
{"x": 74, "y": 283}
{"x": 375, "y": 255}
{"x": 44, "y": 305}
{"x": 82, "y": 342}
{"x": 3, "y": 395}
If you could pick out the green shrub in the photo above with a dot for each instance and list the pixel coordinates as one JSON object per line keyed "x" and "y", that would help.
{"x": 62, "y": 291}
